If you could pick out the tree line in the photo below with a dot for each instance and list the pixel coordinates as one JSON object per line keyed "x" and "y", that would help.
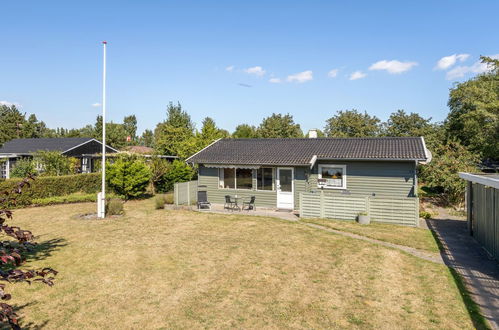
{"x": 469, "y": 134}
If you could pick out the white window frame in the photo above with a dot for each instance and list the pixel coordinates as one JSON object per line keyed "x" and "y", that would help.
{"x": 221, "y": 179}
{"x": 343, "y": 177}
{"x": 273, "y": 178}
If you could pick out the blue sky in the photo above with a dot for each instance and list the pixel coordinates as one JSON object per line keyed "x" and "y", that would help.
{"x": 207, "y": 54}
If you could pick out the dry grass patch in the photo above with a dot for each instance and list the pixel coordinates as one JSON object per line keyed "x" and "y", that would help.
{"x": 180, "y": 269}
{"x": 417, "y": 238}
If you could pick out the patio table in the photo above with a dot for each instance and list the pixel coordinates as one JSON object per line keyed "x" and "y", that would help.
{"x": 238, "y": 199}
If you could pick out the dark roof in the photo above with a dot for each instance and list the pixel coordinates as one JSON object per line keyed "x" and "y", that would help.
{"x": 27, "y": 146}
{"x": 301, "y": 151}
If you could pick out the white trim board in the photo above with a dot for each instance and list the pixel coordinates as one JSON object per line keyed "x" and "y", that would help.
{"x": 481, "y": 179}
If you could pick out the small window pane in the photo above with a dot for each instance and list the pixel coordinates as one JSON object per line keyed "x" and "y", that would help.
{"x": 265, "y": 179}
{"x": 229, "y": 176}
{"x": 244, "y": 178}
{"x": 333, "y": 176}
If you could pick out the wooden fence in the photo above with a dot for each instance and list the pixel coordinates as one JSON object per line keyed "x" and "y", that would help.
{"x": 185, "y": 193}
{"x": 402, "y": 211}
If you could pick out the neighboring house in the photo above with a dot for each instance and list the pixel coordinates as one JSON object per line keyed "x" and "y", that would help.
{"x": 147, "y": 152}
{"x": 482, "y": 205}
{"x": 276, "y": 171}
{"x": 86, "y": 150}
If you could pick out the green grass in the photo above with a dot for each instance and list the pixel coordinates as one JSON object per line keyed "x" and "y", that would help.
{"x": 417, "y": 238}
{"x": 182, "y": 269}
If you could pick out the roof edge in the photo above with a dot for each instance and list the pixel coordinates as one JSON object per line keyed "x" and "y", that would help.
{"x": 209, "y": 145}
{"x": 481, "y": 179}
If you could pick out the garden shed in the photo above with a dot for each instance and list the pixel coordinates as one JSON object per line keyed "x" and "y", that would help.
{"x": 482, "y": 204}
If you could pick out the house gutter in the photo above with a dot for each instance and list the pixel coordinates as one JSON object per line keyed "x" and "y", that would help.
{"x": 427, "y": 153}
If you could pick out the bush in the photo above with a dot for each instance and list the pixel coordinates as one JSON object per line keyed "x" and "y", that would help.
{"x": 159, "y": 202}
{"x": 53, "y": 163}
{"x": 128, "y": 176}
{"x": 50, "y": 186}
{"x": 178, "y": 171}
{"x": 23, "y": 168}
{"x": 169, "y": 198}
{"x": 425, "y": 215}
{"x": 115, "y": 207}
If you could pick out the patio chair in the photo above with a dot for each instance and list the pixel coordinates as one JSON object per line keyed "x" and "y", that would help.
{"x": 250, "y": 205}
{"x": 230, "y": 204}
{"x": 203, "y": 200}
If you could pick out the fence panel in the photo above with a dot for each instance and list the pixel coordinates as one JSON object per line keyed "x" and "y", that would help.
{"x": 402, "y": 211}
{"x": 185, "y": 193}
{"x": 344, "y": 207}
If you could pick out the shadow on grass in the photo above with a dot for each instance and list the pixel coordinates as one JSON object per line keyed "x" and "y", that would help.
{"x": 24, "y": 325}
{"x": 472, "y": 307}
{"x": 45, "y": 249}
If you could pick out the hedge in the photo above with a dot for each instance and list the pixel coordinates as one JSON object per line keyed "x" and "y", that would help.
{"x": 50, "y": 186}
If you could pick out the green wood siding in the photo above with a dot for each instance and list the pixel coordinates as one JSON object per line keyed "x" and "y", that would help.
{"x": 384, "y": 179}
{"x": 209, "y": 177}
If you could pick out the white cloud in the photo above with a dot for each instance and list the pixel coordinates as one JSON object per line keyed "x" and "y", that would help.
{"x": 357, "y": 75}
{"x": 9, "y": 104}
{"x": 447, "y": 61}
{"x": 393, "y": 67}
{"x": 333, "y": 73}
{"x": 96, "y": 105}
{"x": 477, "y": 68}
{"x": 256, "y": 70}
{"x": 301, "y": 77}
{"x": 275, "y": 80}
{"x": 230, "y": 68}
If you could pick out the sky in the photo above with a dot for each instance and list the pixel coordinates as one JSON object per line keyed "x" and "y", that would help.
{"x": 240, "y": 61}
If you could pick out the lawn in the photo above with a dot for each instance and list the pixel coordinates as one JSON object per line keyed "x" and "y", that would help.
{"x": 417, "y": 238}
{"x": 180, "y": 269}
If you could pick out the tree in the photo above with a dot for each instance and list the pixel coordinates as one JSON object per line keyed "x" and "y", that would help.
{"x": 128, "y": 176}
{"x": 178, "y": 171}
{"x": 14, "y": 253}
{"x": 244, "y": 131}
{"x": 402, "y": 124}
{"x": 351, "y": 123}
{"x": 441, "y": 174}
{"x": 54, "y": 164}
{"x": 474, "y": 112}
{"x": 130, "y": 126}
{"x": 159, "y": 167}
{"x": 279, "y": 126}
{"x": 209, "y": 133}
{"x": 175, "y": 136}
{"x": 147, "y": 138}
{"x": 14, "y": 125}
{"x": 23, "y": 168}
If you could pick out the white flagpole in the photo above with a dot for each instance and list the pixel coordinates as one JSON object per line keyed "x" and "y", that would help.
{"x": 103, "y": 165}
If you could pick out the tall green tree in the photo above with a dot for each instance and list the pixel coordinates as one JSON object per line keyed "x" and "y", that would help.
{"x": 244, "y": 131}
{"x": 13, "y": 125}
{"x": 209, "y": 133}
{"x": 147, "y": 138}
{"x": 279, "y": 126}
{"x": 352, "y": 123}
{"x": 130, "y": 126}
{"x": 474, "y": 112}
{"x": 175, "y": 136}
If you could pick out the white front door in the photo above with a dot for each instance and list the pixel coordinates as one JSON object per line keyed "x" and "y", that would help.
{"x": 284, "y": 182}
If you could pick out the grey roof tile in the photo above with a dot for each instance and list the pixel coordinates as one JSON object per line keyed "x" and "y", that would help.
{"x": 301, "y": 151}
{"x": 26, "y": 146}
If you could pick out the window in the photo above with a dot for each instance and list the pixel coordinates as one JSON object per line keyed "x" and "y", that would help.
{"x": 265, "y": 178}
{"x": 332, "y": 176}
{"x": 244, "y": 178}
{"x": 230, "y": 178}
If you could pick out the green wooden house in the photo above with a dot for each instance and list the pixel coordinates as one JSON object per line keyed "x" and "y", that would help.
{"x": 279, "y": 171}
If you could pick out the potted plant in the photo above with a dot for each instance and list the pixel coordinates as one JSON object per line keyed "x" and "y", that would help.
{"x": 363, "y": 218}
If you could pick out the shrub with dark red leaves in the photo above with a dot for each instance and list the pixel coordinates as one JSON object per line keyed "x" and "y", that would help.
{"x": 12, "y": 254}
